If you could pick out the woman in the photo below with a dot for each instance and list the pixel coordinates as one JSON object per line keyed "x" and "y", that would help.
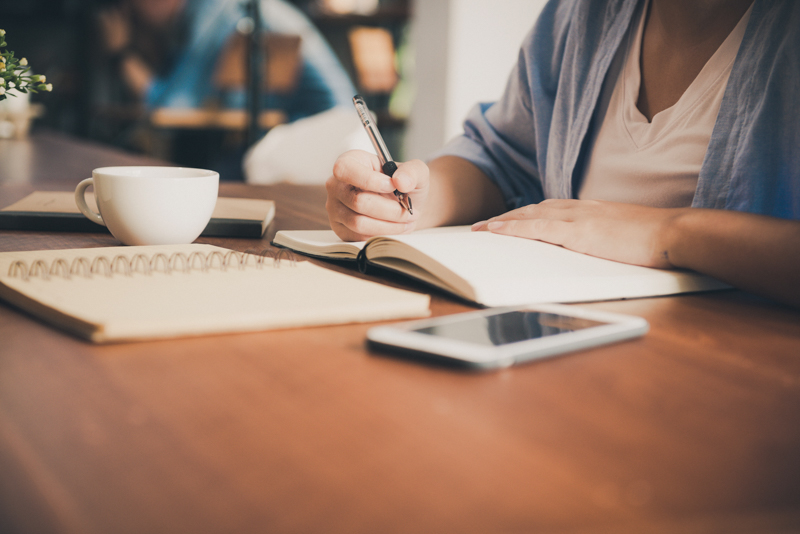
{"x": 661, "y": 133}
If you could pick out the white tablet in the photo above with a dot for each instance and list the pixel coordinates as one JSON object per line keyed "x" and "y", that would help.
{"x": 500, "y": 337}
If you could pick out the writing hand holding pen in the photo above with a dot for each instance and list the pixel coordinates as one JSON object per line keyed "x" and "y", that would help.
{"x": 388, "y": 166}
{"x": 363, "y": 201}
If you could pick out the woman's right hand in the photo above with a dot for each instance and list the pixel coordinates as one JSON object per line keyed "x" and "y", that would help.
{"x": 361, "y": 201}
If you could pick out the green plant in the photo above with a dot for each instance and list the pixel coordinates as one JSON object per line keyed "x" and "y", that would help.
{"x": 15, "y": 74}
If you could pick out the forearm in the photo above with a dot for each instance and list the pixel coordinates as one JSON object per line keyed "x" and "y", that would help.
{"x": 753, "y": 252}
{"x": 460, "y": 193}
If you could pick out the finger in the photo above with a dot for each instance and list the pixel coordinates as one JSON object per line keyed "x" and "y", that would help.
{"x": 378, "y": 206}
{"x": 549, "y": 230}
{"x": 411, "y": 175}
{"x": 563, "y": 210}
{"x": 480, "y": 226}
{"x": 359, "y": 227}
{"x": 561, "y": 203}
{"x": 545, "y": 209}
{"x": 358, "y": 168}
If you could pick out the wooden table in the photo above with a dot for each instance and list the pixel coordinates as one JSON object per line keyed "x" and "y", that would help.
{"x": 693, "y": 428}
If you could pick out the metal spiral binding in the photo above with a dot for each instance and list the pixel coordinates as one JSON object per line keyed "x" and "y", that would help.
{"x": 141, "y": 264}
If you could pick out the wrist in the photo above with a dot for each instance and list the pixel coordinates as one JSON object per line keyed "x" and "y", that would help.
{"x": 674, "y": 232}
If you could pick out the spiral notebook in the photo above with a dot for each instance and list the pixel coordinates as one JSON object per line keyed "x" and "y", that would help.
{"x": 135, "y": 293}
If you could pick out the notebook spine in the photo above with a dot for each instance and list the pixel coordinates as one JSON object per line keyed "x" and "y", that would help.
{"x": 147, "y": 265}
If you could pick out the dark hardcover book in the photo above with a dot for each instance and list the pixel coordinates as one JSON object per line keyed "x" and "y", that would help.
{"x": 55, "y": 211}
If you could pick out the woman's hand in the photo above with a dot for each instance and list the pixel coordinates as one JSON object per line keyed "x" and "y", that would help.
{"x": 623, "y": 232}
{"x": 361, "y": 201}
{"x": 753, "y": 252}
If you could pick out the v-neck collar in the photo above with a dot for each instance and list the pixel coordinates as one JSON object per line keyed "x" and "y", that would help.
{"x": 714, "y": 72}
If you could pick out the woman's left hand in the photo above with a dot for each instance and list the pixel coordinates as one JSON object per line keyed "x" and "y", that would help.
{"x": 622, "y": 232}
{"x": 753, "y": 252}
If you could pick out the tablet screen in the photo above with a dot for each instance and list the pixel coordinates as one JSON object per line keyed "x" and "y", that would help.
{"x": 508, "y": 327}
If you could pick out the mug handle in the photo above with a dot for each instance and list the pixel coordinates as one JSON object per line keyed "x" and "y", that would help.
{"x": 80, "y": 200}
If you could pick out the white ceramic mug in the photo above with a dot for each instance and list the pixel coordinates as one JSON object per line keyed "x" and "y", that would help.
{"x": 151, "y": 205}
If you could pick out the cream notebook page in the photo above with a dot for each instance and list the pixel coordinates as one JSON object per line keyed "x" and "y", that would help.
{"x": 179, "y": 303}
{"x": 498, "y": 270}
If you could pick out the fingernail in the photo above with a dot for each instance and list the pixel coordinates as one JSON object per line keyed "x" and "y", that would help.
{"x": 478, "y": 226}
{"x": 495, "y": 225}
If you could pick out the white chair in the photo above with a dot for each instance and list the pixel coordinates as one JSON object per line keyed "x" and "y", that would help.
{"x": 303, "y": 152}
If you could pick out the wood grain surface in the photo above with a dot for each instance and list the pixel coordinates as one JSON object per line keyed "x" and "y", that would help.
{"x": 693, "y": 428}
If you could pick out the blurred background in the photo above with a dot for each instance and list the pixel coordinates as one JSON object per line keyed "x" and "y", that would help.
{"x": 174, "y": 79}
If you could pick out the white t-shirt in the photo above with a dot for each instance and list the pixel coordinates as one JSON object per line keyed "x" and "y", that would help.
{"x": 655, "y": 163}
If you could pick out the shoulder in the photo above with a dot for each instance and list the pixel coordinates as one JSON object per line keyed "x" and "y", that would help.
{"x": 756, "y": 145}
{"x": 774, "y": 30}
{"x": 585, "y": 20}
{"x": 767, "y": 68}
{"x": 576, "y": 26}
{"x": 573, "y": 35}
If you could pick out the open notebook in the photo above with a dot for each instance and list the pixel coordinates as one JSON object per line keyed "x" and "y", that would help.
{"x": 128, "y": 293}
{"x": 498, "y": 270}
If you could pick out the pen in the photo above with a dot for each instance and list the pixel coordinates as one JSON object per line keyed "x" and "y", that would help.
{"x": 388, "y": 166}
